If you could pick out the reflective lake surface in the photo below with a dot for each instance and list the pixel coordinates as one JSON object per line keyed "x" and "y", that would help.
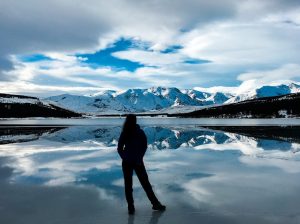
{"x": 215, "y": 174}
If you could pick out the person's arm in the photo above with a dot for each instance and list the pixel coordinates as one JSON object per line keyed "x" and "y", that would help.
{"x": 121, "y": 144}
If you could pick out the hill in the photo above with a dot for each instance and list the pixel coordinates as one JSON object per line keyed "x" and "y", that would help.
{"x": 18, "y": 106}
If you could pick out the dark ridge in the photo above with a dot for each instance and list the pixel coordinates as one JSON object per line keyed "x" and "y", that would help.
{"x": 39, "y": 109}
{"x": 266, "y": 107}
{"x": 5, "y": 95}
{"x": 9, "y": 110}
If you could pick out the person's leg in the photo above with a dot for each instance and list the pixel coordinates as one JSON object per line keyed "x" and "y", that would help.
{"x": 143, "y": 178}
{"x": 127, "y": 173}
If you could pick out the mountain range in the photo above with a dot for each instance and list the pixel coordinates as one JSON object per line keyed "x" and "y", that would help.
{"x": 162, "y": 99}
{"x": 151, "y": 101}
{"x": 137, "y": 100}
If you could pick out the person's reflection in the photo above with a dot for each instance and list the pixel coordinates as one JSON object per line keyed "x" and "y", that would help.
{"x": 155, "y": 217}
{"x": 153, "y": 220}
{"x": 130, "y": 219}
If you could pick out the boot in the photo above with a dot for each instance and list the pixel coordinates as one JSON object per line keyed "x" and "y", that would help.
{"x": 159, "y": 207}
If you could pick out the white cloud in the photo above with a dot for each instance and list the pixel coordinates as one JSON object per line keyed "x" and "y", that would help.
{"x": 46, "y": 90}
{"x": 238, "y": 37}
{"x": 224, "y": 89}
{"x": 288, "y": 71}
{"x": 244, "y": 44}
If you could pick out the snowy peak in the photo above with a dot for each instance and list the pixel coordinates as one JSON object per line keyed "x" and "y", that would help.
{"x": 266, "y": 91}
{"x": 217, "y": 98}
{"x": 154, "y": 98}
{"x": 295, "y": 88}
{"x": 197, "y": 95}
{"x": 105, "y": 93}
{"x": 159, "y": 91}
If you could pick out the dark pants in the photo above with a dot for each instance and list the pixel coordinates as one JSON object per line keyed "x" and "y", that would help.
{"x": 143, "y": 178}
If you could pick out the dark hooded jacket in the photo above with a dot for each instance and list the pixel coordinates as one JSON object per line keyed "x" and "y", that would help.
{"x": 133, "y": 149}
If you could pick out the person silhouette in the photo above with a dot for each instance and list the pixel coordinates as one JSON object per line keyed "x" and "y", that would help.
{"x": 132, "y": 147}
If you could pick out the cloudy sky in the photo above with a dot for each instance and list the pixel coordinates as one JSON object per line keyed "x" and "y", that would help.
{"x": 54, "y": 46}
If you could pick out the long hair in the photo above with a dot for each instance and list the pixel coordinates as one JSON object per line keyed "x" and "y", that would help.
{"x": 129, "y": 127}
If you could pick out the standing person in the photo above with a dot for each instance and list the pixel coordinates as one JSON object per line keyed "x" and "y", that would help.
{"x": 132, "y": 146}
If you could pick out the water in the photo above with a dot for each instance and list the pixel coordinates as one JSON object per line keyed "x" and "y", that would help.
{"x": 152, "y": 121}
{"x": 209, "y": 174}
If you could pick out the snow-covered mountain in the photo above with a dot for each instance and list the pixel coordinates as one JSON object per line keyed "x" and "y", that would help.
{"x": 162, "y": 99}
{"x": 100, "y": 103}
{"x": 266, "y": 91}
{"x": 154, "y": 98}
{"x": 138, "y": 100}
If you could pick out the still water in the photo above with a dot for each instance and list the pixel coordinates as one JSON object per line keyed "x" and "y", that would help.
{"x": 215, "y": 174}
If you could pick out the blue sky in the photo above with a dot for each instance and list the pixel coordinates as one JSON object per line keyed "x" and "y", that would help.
{"x": 128, "y": 44}
{"x": 104, "y": 57}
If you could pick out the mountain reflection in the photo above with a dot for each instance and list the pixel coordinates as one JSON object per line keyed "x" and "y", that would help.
{"x": 162, "y": 137}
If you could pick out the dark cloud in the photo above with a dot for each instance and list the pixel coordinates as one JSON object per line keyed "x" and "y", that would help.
{"x": 284, "y": 4}
{"x": 5, "y": 65}
{"x": 50, "y": 25}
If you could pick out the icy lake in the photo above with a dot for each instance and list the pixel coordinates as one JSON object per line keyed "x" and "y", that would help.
{"x": 205, "y": 171}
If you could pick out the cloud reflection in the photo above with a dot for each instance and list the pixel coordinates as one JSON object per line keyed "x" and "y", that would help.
{"x": 199, "y": 172}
